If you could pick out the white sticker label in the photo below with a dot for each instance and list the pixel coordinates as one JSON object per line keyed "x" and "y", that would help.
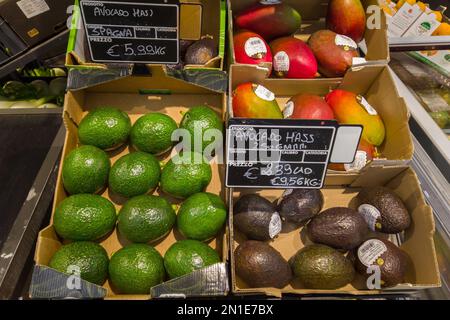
{"x": 268, "y": 2}
{"x": 346, "y": 42}
{"x": 274, "y": 225}
{"x": 32, "y": 8}
{"x": 264, "y": 93}
{"x": 363, "y": 102}
{"x": 288, "y": 109}
{"x": 281, "y": 62}
{"x": 370, "y": 214}
{"x": 359, "y": 163}
{"x": 255, "y": 48}
{"x": 370, "y": 251}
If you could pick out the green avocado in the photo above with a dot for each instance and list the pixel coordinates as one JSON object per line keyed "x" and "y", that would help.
{"x": 88, "y": 258}
{"x": 85, "y": 170}
{"x": 84, "y": 217}
{"x": 106, "y": 128}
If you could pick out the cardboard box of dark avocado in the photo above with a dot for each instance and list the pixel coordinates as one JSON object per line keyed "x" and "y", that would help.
{"x": 416, "y": 241}
{"x": 375, "y": 45}
{"x": 374, "y": 83}
{"x": 197, "y": 19}
{"x": 136, "y": 96}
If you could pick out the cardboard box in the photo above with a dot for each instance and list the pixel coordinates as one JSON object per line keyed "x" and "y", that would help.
{"x": 197, "y": 18}
{"x": 417, "y": 241}
{"x": 375, "y": 83}
{"x": 35, "y": 20}
{"x": 313, "y": 14}
{"x": 128, "y": 95}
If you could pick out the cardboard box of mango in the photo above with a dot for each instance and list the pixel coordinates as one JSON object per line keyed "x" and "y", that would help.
{"x": 119, "y": 187}
{"x": 306, "y": 39}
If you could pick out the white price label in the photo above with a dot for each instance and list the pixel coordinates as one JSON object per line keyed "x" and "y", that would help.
{"x": 371, "y": 215}
{"x": 363, "y": 102}
{"x": 359, "y": 163}
{"x": 264, "y": 93}
{"x": 255, "y": 48}
{"x": 288, "y": 110}
{"x": 346, "y": 42}
{"x": 32, "y": 8}
{"x": 370, "y": 251}
{"x": 281, "y": 62}
{"x": 274, "y": 225}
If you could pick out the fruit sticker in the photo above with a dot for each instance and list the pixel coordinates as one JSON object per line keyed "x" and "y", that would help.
{"x": 371, "y": 251}
{"x": 281, "y": 62}
{"x": 366, "y": 105}
{"x": 264, "y": 93}
{"x": 287, "y": 112}
{"x": 346, "y": 42}
{"x": 372, "y": 216}
{"x": 359, "y": 163}
{"x": 274, "y": 225}
{"x": 255, "y": 48}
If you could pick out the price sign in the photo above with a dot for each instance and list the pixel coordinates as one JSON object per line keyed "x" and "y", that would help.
{"x": 132, "y": 32}
{"x": 282, "y": 153}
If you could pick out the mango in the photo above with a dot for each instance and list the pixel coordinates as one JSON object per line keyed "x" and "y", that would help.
{"x": 292, "y": 58}
{"x": 350, "y": 108}
{"x": 270, "y": 20}
{"x": 334, "y": 52}
{"x": 369, "y": 151}
{"x": 308, "y": 106}
{"x": 255, "y": 101}
{"x": 347, "y": 17}
{"x": 251, "y": 48}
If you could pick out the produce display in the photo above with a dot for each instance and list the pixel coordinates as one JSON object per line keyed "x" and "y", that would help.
{"x": 268, "y": 34}
{"x": 334, "y": 245}
{"x": 36, "y": 94}
{"x": 101, "y": 197}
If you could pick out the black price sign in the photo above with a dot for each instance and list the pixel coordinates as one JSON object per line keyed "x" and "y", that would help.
{"x": 279, "y": 154}
{"x": 132, "y": 32}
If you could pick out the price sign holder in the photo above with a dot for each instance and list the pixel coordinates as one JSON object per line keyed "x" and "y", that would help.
{"x": 132, "y": 32}
{"x": 286, "y": 153}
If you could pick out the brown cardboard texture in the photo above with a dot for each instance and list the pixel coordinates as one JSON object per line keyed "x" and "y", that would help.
{"x": 124, "y": 94}
{"x": 313, "y": 13}
{"x": 417, "y": 241}
{"x": 375, "y": 83}
{"x": 198, "y": 18}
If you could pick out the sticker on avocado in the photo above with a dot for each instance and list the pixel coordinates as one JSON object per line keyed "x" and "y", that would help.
{"x": 366, "y": 105}
{"x": 274, "y": 225}
{"x": 288, "y": 109}
{"x": 346, "y": 42}
{"x": 264, "y": 93}
{"x": 372, "y": 215}
{"x": 370, "y": 252}
{"x": 359, "y": 163}
{"x": 255, "y": 48}
{"x": 33, "y": 8}
{"x": 281, "y": 62}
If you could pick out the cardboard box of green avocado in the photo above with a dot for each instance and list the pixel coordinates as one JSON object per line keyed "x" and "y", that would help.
{"x": 136, "y": 96}
{"x": 415, "y": 267}
{"x": 198, "y": 19}
{"x": 373, "y": 84}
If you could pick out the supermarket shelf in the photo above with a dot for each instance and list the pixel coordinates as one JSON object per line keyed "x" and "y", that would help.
{"x": 34, "y": 53}
{"x": 419, "y": 43}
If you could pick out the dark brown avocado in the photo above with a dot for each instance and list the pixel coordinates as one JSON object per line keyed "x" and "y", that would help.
{"x": 256, "y": 217}
{"x": 391, "y": 260}
{"x": 383, "y": 210}
{"x": 259, "y": 265}
{"x": 299, "y": 205}
{"x": 201, "y": 51}
{"x": 340, "y": 228}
